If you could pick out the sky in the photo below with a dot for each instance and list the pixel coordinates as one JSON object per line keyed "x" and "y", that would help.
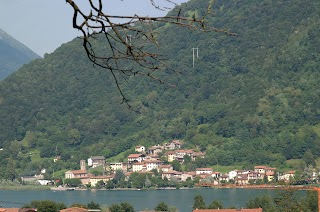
{"x": 43, "y": 25}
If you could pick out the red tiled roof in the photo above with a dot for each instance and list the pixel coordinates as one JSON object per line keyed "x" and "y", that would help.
{"x": 152, "y": 148}
{"x": 270, "y": 173}
{"x": 17, "y": 210}
{"x": 79, "y": 171}
{"x": 74, "y": 209}
{"x": 165, "y": 166}
{"x": 260, "y": 167}
{"x": 176, "y": 141}
{"x": 134, "y": 155}
{"x": 9, "y": 209}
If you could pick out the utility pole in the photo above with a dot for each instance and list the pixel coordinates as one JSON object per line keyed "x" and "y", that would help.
{"x": 128, "y": 39}
{"x": 193, "y": 54}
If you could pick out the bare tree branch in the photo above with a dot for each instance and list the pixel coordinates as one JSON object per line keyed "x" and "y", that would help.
{"x": 118, "y": 31}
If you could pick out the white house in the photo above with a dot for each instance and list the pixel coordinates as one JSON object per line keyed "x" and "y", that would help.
{"x": 96, "y": 161}
{"x": 200, "y": 171}
{"x": 287, "y": 176}
{"x": 135, "y": 158}
{"x": 45, "y": 182}
{"x": 232, "y": 174}
{"x": 140, "y": 149}
{"x": 152, "y": 164}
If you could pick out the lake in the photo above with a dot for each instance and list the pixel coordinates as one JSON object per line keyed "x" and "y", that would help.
{"x": 143, "y": 199}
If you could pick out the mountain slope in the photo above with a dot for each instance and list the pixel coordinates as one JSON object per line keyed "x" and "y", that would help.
{"x": 250, "y": 99}
{"x": 13, "y": 54}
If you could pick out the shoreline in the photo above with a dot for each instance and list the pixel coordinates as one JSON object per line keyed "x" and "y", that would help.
{"x": 271, "y": 187}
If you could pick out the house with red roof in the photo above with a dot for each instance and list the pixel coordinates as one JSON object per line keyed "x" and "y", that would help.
{"x": 18, "y": 210}
{"x": 174, "y": 144}
{"x": 135, "y": 158}
{"x": 75, "y": 209}
{"x": 165, "y": 168}
{"x": 172, "y": 174}
{"x": 155, "y": 149}
{"x": 140, "y": 149}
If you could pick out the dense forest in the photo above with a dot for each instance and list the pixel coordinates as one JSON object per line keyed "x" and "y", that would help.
{"x": 250, "y": 99}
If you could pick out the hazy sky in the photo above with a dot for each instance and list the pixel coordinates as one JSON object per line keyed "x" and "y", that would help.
{"x": 43, "y": 25}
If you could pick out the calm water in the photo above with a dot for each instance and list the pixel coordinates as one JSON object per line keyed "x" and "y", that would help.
{"x": 182, "y": 199}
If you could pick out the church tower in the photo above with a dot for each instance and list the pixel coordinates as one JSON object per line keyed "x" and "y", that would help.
{"x": 83, "y": 165}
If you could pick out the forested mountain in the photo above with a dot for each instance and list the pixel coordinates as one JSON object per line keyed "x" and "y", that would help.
{"x": 13, "y": 54}
{"x": 252, "y": 98}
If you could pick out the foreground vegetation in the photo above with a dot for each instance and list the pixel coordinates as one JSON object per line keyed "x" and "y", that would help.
{"x": 284, "y": 200}
{"x": 250, "y": 99}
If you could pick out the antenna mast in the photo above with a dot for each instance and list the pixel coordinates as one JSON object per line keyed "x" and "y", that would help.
{"x": 193, "y": 54}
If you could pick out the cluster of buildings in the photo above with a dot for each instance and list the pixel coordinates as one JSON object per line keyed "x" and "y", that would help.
{"x": 148, "y": 160}
{"x": 143, "y": 161}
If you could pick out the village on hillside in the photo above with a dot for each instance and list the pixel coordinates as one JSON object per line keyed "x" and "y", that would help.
{"x": 164, "y": 162}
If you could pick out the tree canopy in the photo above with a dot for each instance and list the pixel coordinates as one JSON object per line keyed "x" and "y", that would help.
{"x": 129, "y": 37}
{"x": 250, "y": 99}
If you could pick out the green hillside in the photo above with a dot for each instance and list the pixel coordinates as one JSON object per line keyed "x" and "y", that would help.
{"x": 250, "y": 99}
{"x": 13, "y": 55}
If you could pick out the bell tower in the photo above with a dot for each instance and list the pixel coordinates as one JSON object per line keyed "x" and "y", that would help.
{"x": 83, "y": 165}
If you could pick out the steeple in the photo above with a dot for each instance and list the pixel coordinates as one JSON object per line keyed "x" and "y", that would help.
{"x": 83, "y": 165}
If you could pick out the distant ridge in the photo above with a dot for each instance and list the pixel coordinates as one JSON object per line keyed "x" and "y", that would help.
{"x": 13, "y": 54}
